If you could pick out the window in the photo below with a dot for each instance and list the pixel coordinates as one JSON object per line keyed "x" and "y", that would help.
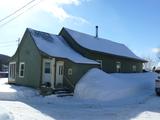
{"x": 100, "y": 62}
{"x": 12, "y": 70}
{"x": 60, "y": 70}
{"x": 47, "y": 67}
{"x": 118, "y": 66}
{"x": 134, "y": 68}
{"x": 70, "y": 71}
{"x": 21, "y": 69}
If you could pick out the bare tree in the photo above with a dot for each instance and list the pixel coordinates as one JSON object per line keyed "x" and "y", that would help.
{"x": 150, "y": 65}
{"x": 157, "y": 53}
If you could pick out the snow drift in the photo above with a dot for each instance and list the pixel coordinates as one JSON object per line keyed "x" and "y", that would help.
{"x": 98, "y": 85}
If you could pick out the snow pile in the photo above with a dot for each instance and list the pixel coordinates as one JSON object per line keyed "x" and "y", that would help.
{"x": 99, "y": 85}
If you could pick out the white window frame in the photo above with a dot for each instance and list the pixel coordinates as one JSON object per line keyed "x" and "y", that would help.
{"x": 100, "y": 62}
{"x": 21, "y": 63}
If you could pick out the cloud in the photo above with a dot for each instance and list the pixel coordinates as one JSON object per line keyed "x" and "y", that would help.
{"x": 156, "y": 50}
{"x": 75, "y": 2}
{"x": 55, "y": 7}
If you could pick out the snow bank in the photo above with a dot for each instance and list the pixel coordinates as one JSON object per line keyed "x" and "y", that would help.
{"x": 98, "y": 85}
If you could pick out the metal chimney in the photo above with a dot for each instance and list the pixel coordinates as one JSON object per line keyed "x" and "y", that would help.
{"x": 96, "y": 31}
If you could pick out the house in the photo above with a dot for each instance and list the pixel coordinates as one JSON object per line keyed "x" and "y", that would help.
{"x": 4, "y": 60}
{"x": 59, "y": 61}
{"x": 113, "y": 56}
{"x": 44, "y": 58}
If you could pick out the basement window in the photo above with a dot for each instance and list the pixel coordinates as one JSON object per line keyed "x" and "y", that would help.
{"x": 118, "y": 66}
{"x": 21, "y": 69}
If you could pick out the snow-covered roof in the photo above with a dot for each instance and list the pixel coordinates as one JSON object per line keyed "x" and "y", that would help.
{"x": 56, "y": 46}
{"x": 102, "y": 45}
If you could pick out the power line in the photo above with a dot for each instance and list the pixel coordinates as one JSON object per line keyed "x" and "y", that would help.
{"x": 19, "y": 14}
{"x": 6, "y": 42}
{"x": 5, "y": 46}
{"x": 1, "y": 45}
{"x": 16, "y": 11}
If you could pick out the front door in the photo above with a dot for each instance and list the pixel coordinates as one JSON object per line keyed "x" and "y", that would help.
{"x": 48, "y": 72}
{"x": 59, "y": 73}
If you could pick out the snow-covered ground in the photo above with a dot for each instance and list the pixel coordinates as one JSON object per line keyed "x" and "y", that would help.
{"x": 22, "y": 103}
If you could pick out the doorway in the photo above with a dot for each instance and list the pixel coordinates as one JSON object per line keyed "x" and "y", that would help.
{"x": 59, "y": 73}
{"x": 48, "y": 72}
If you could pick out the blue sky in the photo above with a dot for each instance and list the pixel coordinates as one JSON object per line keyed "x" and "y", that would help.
{"x": 135, "y": 23}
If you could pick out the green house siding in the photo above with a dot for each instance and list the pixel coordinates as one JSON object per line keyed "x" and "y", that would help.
{"x": 109, "y": 64}
{"x": 109, "y": 61}
{"x": 29, "y": 54}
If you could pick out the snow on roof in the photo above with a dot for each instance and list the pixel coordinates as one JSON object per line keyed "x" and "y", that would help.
{"x": 55, "y": 46}
{"x": 102, "y": 45}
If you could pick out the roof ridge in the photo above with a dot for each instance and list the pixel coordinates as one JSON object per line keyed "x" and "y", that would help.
{"x": 93, "y": 36}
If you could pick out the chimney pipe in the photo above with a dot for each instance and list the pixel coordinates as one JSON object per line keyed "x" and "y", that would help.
{"x": 96, "y": 31}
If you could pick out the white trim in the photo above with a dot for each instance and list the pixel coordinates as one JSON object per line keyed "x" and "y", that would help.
{"x": 21, "y": 63}
{"x": 11, "y": 74}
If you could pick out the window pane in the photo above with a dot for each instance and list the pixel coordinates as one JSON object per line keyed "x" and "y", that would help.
{"x": 47, "y": 64}
{"x": 22, "y": 66}
{"x": 21, "y": 73}
{"x": 47, "y": 67}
